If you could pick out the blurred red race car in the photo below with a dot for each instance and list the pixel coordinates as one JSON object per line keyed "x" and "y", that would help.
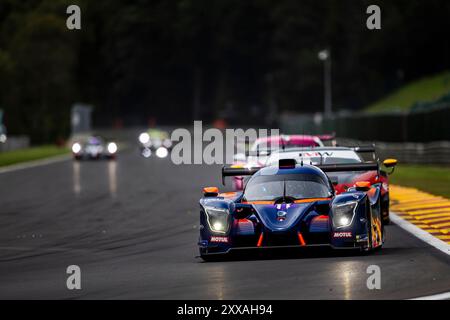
{"x": 262, "y": 148}
{"x": 339, "y": 157}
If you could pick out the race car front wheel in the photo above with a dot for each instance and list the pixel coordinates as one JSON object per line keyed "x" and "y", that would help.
{"x": 385, "y": 209}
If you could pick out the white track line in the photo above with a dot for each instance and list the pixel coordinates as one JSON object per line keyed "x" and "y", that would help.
{"x": 421, "y": 234}
{"x": 33, "y": 164}
{"x": 441, "y": 296}
{"x": 428, "y": 238}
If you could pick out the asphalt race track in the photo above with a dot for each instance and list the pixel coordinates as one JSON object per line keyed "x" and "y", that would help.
{"x": 131, "y": 226}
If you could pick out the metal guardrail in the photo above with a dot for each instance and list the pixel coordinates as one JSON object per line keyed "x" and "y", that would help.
{"x": 420, "y": 153}
{"x": 412, "y": 126}
{"x": 419, "y": 136}
{"x": 437, "y": 152}
{"x": 15, "y": 143}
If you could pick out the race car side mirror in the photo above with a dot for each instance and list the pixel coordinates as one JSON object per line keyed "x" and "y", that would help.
{"x": 362, "y": 185}
{"x": 390, "y": 163}
{"x": 210, "y": 192}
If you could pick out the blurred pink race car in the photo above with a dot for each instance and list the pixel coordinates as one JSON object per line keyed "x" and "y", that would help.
{"x": 262, "y": 147}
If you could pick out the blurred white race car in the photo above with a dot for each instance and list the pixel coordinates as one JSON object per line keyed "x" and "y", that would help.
{"x": 3, "y": 136}
{"x": 94, "y": 148}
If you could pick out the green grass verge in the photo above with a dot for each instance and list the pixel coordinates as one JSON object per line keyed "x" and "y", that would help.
{"x": 423, "y": 90}
{"x": 432, "y": 179}
{"x": 17, "y": 156}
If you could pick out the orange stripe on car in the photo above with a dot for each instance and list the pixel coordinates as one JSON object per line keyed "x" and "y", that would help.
{"x": 310, "y": 200}
{"x": 321, "y": 217}
{"x": 259, "y": 202}
{"x": 260, "y": 240}
{"x": 296, "y": 201}
{"x": 300, "y": 239}
{"x": 227, "y": 194}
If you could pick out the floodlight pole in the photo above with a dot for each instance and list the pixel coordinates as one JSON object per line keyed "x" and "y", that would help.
{"x": 325, "y": 56}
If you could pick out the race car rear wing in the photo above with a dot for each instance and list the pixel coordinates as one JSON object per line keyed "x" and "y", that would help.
{"x": 230, "y": 171}
{"x": 350, "y": 167}
{"x": 365, "y": 149}
{"x": 327, "y": 137}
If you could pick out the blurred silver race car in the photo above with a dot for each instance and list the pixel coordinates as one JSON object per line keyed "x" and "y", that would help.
{"x": 155, "y": 141}
{"x": 94, "y": 148}
{"x": 3, "y": 136}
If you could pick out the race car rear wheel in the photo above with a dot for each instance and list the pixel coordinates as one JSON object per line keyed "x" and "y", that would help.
{"x": 379, "y": 215}
{"x": 385, "y": 210}
{"x": 382, "y": 224}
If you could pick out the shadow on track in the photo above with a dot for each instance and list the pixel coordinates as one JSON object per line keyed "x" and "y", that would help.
{"x": 284, "y": 254}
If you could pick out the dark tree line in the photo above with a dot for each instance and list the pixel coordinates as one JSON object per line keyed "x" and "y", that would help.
{"x": 173, "y": 60}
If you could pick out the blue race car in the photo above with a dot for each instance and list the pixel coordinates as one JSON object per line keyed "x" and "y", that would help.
{"x": 291, "y": 205}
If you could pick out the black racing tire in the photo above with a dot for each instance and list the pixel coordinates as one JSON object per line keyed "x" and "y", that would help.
{"x": 379, "y": 247}
{"x": 382, "y": 240}
{"x": 385, "y": 210}
{"x": 369, "y": 226}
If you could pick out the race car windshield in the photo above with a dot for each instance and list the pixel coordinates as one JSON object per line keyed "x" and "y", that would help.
{"x": 94, "y": 142}
{"x": 298, "y": 186}
{"x": 158, "y": 135}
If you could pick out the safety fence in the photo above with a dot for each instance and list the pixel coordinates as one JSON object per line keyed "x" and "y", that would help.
{"x": 437, "y": 152}
{"x": 422, "y": 125}
{"x": 421, "y": 135}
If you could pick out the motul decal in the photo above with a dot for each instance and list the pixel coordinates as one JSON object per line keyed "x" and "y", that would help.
{"x": 342, "y": 235}
{"x": 219, "y": 239}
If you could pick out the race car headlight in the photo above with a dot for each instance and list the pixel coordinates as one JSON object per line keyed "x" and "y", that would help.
{"x": 343, "y": 214}
{"x": 112, "y": 147}
{"x": 76, "y": 147}
{"x": 146, "y": 152}
{"x": 162, "y": 152}
{"x": 218, "y": 219}
{"x": 144, "y": 138}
